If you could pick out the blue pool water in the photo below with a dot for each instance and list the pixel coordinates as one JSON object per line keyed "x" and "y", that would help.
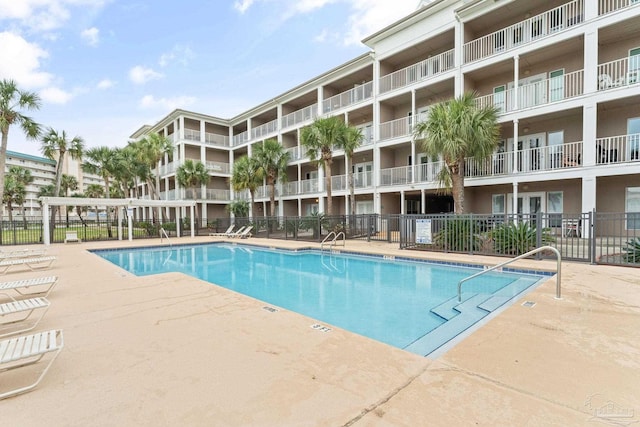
{"x": 400, "y": 303}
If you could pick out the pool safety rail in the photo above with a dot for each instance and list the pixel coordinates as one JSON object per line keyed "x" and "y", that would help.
{"x": 334, "y": 239}
{"x": 502, "y": 264}
{"x": 164, "y": 232}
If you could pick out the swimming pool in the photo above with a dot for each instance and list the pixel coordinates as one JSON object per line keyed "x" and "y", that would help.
{"x": 408, "y": 304}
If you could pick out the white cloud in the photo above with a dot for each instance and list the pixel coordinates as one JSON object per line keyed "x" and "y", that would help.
{"x": 149, "y": 102}
{"x": 369, "y": 16}
{"x": 44, "y": 15}
{"x": 91, "y": 36}
{"x": 242, "y": 5}
{"x": 105, "y": 84}
{"x": 24, "y": 66}
{"x": 179, "y": 54}
{"x": 141, "y": 75}
{"x": 55, "y": 95}
{"x": 322, "y": 37}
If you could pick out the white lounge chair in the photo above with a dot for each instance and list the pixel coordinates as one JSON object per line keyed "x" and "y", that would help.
{"x": 245, "y": 233}
{"x": 36, "y": 263}
{"x": 237, "y": 232}
{"x": 28, "y": 350}
{"x": 40, "y": 286}
{"x": 72, "y": 236}
{"x": 22, "y": 253}
{"x": 15, "y": 312}
{"x": 226, "y": 233}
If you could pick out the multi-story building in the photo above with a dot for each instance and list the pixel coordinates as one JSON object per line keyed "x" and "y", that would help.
{"x": 43, "y": 171}
{"x": 565, "y": 76}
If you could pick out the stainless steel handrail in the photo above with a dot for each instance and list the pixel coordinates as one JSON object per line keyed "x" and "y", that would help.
{"x": 162, "y": 230}
{"x": 502, "y": 264}
{"x": 335, "y": 238}
{"x": 327, "y": 238}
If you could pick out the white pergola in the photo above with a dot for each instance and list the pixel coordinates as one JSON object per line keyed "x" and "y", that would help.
{"x": 120, "y": 205}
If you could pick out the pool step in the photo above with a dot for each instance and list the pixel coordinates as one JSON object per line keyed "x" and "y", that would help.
{"x": 469, "y": 315}
{"x": 446, "y": 310}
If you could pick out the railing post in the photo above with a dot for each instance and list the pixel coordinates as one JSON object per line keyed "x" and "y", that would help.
{"x": 538, "y": 233}
{"x": 592, "y": 236}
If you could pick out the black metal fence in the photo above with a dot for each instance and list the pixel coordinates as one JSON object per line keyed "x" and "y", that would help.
{"x": 604, "y": 238}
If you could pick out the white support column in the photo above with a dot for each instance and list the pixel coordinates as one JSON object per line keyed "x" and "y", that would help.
{"x": 203, "y": 134}
{"x": 178, "y": 218}
{"x": 589, "y": 134}
{"x": 402, "y": 203}
{"x": 588, "y": 193}
{"x": 193, "y": 227}
{"x": 423, "y": 201}
{"x": 414, "y": 115}
{"x": 458, "y": 43}
{"x": 45, "y": 222}
{"x": 515, "y": 166}
{"x": 516, "y": 81}
{"x": 181, "y": 127}
{"x": 590, "y": 80}
{"x": 119, "y": 215}
{"x": 130, "y": 224}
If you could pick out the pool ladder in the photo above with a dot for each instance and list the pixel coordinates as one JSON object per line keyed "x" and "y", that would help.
{"x": 163, "y": 231}
{"x": 502, "y": 264}
{"x": 334, "y": 241}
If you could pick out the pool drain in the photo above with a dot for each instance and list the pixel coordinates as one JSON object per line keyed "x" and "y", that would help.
{"x": 528, "y": 304}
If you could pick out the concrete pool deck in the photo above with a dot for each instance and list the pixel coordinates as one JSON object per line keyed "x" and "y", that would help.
{"x": 172, "y": 350}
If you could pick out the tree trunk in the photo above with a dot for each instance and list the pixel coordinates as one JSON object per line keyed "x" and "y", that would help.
{"x": 272, "y": 196}
{"x": 327, "y": 184}
{"x": 56, "y": 193}
{"x": 253, "y": 207}
{"x": 107, "y": 190}
{"x": 3, "y": 158}
{"x": 457, "y": 189}
{"x": 352, "y": 190}
{"x": 24, "y": 216}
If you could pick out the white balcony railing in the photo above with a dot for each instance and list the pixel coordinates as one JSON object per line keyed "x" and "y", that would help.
{"x": 395, "y": 128}
{"x": 363, "y": 180}
{"x": 299, "y": 116}
{"x": 218, "y": 167}
{"x": 527, "y": 31}
{"x": 367, "y": 134}
{"x": 621, "y": 72}
{"x": 215, "y": 194}
{"x": 396, "y": 176}
{"x": 265, "y": 129}
{"x": 423, "y": 70}
{"x": 216, "y": 139}
{"x": 428, "y": 172}
{"x": 536, "y": 159}
{"x": 167, "y": 169}
{"x": 352, "y": 96}
{"x": 192, "y": 135}
{"x": 310, "y": 186}
{"x": 295, "y": 153}
{"x": 290, "y": 188}
{"x": 609, "y": 6}
{"x": 240, "y": 138}
{"x": 535, "y": 94}
{"x": 339, "y": 183}
{"x": 618, "y": 149}
{"x": 242, "y": 195}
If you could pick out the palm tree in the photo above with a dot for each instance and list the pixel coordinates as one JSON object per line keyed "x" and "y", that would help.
{"x": 352, "y": 139}
{"x": 246, "y": 176}
{"x": 94, "y": 191}
{"x": 24, "y": 177}
{"x": 102, "y": 161}
{"x": 56, "y": 146}
{"x": 150, "y": 150}
{"x": 272, "y": 160}
{"x": 192, "y": 175}
{"x": 319, "y": 139}
{"x": 12, "y": 101}
{"x": 68, "y": 182}
{"x": 454, "y": 130}
{"x": 14, "y": 194}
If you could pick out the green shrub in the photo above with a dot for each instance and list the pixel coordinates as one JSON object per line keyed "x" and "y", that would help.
{"x": 458, "y": 235}
{"x": 632, "y": 251}
{"x": 516, "y": 239}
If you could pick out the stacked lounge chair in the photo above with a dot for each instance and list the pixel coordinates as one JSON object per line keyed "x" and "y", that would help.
{"x": 23, "y": 300}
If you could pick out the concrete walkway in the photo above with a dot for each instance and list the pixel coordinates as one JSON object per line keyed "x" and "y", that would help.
{"x": 171, "y": 350}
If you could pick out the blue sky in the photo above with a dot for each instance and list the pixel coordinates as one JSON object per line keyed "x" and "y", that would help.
{"x": 103, "y": 68}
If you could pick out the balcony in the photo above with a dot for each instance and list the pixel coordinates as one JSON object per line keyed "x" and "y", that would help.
{"x": 610, "y": 6}
{"x": 618, "y": 149}
{"x": 367, "y": 134}
{"x": 216, "y": 139}
{"x": 536, "y": 94}
{"x": 167, "y": 169}
{"x": 537, "y": 159}
{"x": 525, "y": 32}
{"x": 352, "y": 96}
{"x": 265, "y": 129}
{"x": 218, "y": 167}
{"x": 215, "y": 194}
{"x": 240, "y": 138}
{"x": 423, "y": 70}
{"x": 192, "y": 135}
{"x": 403, "y": 175}
{"x": 299, "y": 116}
{"x": 395, "y": 129}
{"x": 294, "y": 153}
{"x": 619, "y": 73}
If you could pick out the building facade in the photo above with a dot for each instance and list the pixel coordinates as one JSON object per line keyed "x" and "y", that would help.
{"x": 565, "y": 76}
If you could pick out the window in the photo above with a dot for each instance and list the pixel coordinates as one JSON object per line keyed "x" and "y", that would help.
{"x": 556, "y": 139}
{"x": 632, "y": 208}
{"x": 555, "y": 208}
{"x": 633, "y": 136}
{"x": 633, "y": 76}
{"x": 497, "y": 204}
{"x": 556, "y": 85}
{"x": 499, "y": 99}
